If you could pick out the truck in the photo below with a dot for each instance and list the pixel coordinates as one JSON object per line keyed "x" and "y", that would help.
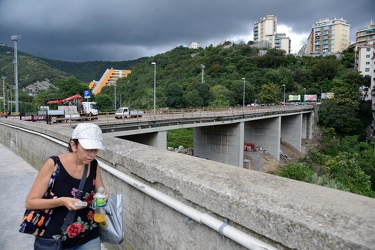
{"x": 125, "y": 112}
{"x": 75, "y": 109}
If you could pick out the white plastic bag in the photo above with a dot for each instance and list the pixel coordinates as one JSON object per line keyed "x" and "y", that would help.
{"x": 111, "y": 230}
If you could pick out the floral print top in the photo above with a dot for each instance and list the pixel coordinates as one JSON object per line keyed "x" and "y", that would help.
{"x": 83, "y": 228}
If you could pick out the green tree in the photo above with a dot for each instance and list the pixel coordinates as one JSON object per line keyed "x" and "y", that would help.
{"x": 219, "y": 101}
{"x": 340, "y": 116}
{"x": 193, "y": 99}
{"x": 344, "y": 168}
{"x": 326, "y": 68}
{"x": 69, "y": 87}
{"x": 104, "y": 103}
{"x": 296, "y": 171}
{"x": 269, "y": 93}
{"x": 174, "y": 93}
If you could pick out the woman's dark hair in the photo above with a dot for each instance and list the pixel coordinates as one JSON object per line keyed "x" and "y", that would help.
{"x": 75, "y": 142}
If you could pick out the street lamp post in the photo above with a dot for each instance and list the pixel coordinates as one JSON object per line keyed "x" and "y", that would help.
{"x": 243, "y": 98}
{"x": 320, "y": 92}
{"x": 11, "y": 98}
{"x": 15, "y": 38}
{"x": 154, "y": 63}
{"x": 202, "y": 67}
{"x": 284, "y": 94}
{"x": 3, "y": 78}
{"x": 304, "y": 97}
{"x": 115, "y": 95}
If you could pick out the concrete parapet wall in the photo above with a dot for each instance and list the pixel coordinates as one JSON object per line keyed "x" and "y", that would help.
{"x": 284, "y": 213}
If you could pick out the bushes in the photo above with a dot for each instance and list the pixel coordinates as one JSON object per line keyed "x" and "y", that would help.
{"x": 180, "y": 137}
{"x": 296, "y": 171}
{"x": 342, "y": 172}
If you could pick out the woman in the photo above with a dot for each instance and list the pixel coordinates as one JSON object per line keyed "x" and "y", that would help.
{"x": 83, "y": 232}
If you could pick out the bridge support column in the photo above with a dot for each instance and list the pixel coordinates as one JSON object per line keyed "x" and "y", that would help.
{"x": 155, "y": 139}
{"x": 266, "y": 134}
{"x": 222, "y": 143}
{"x": 291, "y": 130}
{"x": 307, "y": 125}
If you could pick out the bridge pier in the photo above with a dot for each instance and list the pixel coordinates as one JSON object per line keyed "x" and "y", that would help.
{"x": 220, "y": 143}
{"x": 155, "y": 139}
{"x": 291, "y": 130}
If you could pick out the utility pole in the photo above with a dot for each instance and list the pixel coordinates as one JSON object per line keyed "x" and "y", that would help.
{"x": 3, "y": 78}
{"x": 154, "y": 63}
{"x": 202, "y": 67}
{"x": 15, "y": 38}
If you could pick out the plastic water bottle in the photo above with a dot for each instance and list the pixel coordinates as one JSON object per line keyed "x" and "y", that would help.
{"x": 99, "y": 214}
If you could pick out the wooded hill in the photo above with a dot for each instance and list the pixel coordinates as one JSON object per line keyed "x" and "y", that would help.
{"x": 179, "y": 76}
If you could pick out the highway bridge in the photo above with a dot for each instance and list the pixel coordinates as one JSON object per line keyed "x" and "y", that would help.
{"x": 220, "y": 135}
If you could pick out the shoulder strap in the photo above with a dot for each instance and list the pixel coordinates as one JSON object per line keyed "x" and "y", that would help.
{"x": 54, "y": 176}
{"x": 71, "y": 213}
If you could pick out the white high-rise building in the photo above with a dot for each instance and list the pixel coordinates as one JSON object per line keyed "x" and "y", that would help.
{"x": 265, "y": 35}
{"x": 282, "y": 42}
{"x": 365, "y": 55}
{"x": 265, "y": 30}
{"x": 194, "y": 45}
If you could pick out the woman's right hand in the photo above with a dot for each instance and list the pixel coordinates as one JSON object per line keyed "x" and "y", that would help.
{"x": 69, "y": 203}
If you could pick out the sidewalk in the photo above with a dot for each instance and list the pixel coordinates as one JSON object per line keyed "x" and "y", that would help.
{"x": 16, "y": 178}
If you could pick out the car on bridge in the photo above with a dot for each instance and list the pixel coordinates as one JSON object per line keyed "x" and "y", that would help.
{"x": 125, "y": 112}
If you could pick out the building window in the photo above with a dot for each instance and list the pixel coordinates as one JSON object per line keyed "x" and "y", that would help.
{"x": 367, "y": 49}
{"x": 367, "y": 56}
{"x": 367, "y": 69}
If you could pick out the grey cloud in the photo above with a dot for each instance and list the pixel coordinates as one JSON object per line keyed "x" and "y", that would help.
{"x": 124, "y": 30}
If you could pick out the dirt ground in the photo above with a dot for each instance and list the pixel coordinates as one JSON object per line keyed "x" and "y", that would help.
{"x": 265, "y": 162}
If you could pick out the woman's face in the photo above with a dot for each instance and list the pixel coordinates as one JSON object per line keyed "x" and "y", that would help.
{"x": 85, "y": 155}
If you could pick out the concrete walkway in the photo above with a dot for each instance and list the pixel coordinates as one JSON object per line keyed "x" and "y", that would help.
{"x": 16, "y": 178}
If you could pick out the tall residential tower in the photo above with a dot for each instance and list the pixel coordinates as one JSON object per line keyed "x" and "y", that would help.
{"x": 265, "y": 35}
{"x": 365, "y": 56}
{"x": 329, "y": 36}
{"x": 265, "y": 30}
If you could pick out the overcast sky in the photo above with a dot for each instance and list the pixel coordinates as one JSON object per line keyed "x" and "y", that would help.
{"x": 121, "y": 30}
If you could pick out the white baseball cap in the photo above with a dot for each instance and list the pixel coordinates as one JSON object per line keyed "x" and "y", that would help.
{"x": 89, "y": 136}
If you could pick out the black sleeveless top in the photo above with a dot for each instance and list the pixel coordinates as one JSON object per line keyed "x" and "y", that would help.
{"x": 83, "y": 228}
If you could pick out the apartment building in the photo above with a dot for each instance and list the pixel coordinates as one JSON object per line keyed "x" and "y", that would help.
{"x": 329, "y": 36}
{"x": 282, "y": 42}
{"x": 366, "y": 35}
{"x": 365, "y": 55}
{"x": 194, "y": 45}
{"x": 265, "y": 30}
{"x": 265, "y": 35}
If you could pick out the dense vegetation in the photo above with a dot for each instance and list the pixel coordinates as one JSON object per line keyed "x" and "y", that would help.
{"x": 344, "y": 160}
{"x": 88, "y": 71}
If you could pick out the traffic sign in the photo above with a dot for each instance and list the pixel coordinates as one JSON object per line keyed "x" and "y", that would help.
{"x": 86, "y": 93}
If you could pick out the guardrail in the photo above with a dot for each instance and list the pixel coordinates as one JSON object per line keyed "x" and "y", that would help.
{"x": 161, "y": 114}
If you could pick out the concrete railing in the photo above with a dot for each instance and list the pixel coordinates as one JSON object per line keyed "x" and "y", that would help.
{"x": 285, "y": 214}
